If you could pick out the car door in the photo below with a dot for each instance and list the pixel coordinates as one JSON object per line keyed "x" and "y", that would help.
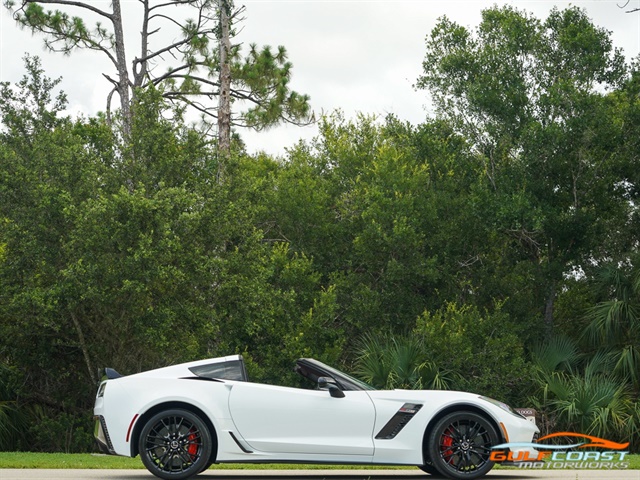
{"x": 285, "y": 420}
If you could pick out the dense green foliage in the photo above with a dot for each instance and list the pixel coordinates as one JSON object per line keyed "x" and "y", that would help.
{"x": 492, "y": 248}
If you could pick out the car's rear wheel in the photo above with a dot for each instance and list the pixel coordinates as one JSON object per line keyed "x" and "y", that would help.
{"x": 460, "y": 443}
{"x": 175, "y": 444}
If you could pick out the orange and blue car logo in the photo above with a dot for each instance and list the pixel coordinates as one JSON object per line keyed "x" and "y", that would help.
{"x": 504, "y": 451}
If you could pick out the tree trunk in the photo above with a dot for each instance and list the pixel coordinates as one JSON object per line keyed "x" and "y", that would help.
{"x": 224, "y": 98}
{"x": 85, "y": 350}
{"x": 123, "y": 74}
{"x": 140, "y": 67}
{"x": 548, "y": 313}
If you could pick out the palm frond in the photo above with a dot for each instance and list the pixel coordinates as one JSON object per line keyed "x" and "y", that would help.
{"x": 605, "y": 322}
{"x": 631, "y": 429}
{"x": 628, "y": 364}
{"x": 12, "y": 423}
{"x": 595, "y": 404}
{"x": 405, "y": 356}
{"x": 433, "y": 377}
{"x": 602, "y": 362}
{"x": 371, "y": 362}
{"x": 559, "y": 353}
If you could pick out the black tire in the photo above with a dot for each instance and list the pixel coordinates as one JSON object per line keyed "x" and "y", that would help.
{"x": 459, "y": 445}
{"x": 429, "y": 468}
{"x": 207, "y": 466}
{"x": 175, "y": 444}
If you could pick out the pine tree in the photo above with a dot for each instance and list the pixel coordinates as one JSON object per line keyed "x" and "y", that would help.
{"x": 199, "y": 66}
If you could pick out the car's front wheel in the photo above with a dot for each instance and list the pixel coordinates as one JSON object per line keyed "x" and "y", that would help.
{"x": 460, "y": 443}
{"x": 429, "y": 468}
{"x": 175, "y": 444}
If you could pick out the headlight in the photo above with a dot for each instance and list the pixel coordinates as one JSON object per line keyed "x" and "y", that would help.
{"x": 502, "y": 405}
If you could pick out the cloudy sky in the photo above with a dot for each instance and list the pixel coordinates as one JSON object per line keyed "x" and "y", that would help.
{"x": 354, "y": 55}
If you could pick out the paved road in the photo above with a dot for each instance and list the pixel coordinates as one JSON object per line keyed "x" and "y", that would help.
{"x": 11, "y": 474}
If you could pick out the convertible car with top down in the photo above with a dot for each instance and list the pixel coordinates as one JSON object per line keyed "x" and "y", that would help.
{"x": 183, "y": 418}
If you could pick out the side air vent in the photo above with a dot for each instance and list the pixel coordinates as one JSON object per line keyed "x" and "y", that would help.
{"x": 398, "y": 421}
{"x": 242, "y": 447}
{"x": 102, "y": 437}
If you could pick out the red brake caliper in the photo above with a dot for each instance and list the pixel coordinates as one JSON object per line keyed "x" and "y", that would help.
{"x": 446, "y": 441}
{"x": 193, "y": 446}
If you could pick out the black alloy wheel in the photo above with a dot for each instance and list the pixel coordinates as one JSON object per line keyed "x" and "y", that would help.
{"x": 459, "y": 445}
{"x": 175, "y": 444}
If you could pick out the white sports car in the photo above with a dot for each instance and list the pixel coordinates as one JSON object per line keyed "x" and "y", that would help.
{"x": 183, "y": 418}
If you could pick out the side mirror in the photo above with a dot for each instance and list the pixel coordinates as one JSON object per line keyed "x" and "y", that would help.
{"x": 325, "y": 383}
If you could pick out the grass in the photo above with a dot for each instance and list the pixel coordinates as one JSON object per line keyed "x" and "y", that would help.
{"x": 98, "y": 461}
{"x": 66, "y": 460}
{"x": 95, "y": 461}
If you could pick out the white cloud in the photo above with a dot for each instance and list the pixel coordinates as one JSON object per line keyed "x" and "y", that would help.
{"x": 358, "y": 56}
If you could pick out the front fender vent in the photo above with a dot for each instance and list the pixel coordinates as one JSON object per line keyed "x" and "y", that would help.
{"x": 398, "y": 421}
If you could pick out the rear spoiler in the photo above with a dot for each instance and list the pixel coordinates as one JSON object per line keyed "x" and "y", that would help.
{"x": 108, "y": 374}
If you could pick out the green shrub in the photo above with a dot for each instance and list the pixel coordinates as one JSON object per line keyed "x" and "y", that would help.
{"x": 481, "y": 348}
{"x": 60, "y": 432}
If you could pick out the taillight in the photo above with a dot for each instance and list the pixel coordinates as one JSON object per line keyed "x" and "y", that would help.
{"x": 103, "y": 387}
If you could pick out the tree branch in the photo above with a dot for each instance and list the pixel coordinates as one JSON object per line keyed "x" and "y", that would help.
{"x": 167, "y": 48}
{"x": 175, "y": 2}
{"x": 172, "y": 74}
{"x": 72, "y": 4}
{"x": 109, "y": 97}
{"x": 158, "y": 15}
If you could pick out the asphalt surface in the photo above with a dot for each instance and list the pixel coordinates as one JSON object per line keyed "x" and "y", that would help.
{"x": 26, "y": 474}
